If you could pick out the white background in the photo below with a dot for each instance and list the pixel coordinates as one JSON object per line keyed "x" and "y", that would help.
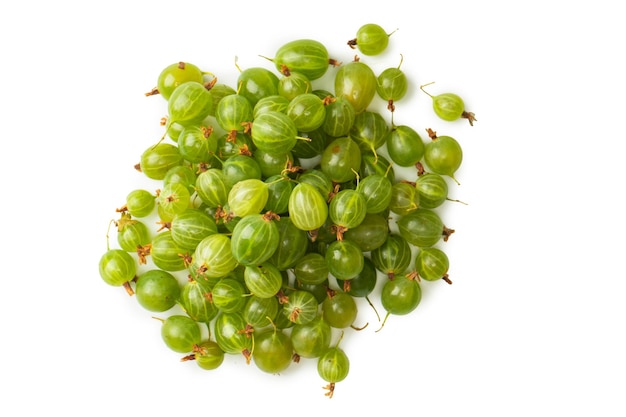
{"x": 534, "y": 321}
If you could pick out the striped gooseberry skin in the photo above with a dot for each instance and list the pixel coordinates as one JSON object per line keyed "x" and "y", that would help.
{"x": 347, "y": 208}
{"x": 432, "y": 189}
{"x": 189, "y": 104}
{"x": 404, "y": 198}
{"x": 240, "y": 167}
{"x": 404, "y": 145}
{"x": 307, "y": 111}
{"x": 208, "y": 355}
{"x": 344, "y": 258}
{"x": 158, "y": 159}
{"x": 196, "y": 144}
{"x": 401, "y": 295}
{"x": 307, "y": 208}
{"x": 339, "y": 117}
{"x": 157, "y": 290}
{"x": 311, "y": 269}
{"x": 233, "y": 112}
{"x": 254, "y": 239}
{"x": 292, "y": 244}
{"x": 301, "y": 307}
{"x": 258, "y": 310}
{"x": 256, "y": 83}
{"x": 306, "y": 56}
{"x": 211, "y": 187}
{"x": 311, "y": 339}
{"x": 273, "y": 351}
{"x": 228, "y": 295}
{"x": 369, "y": 131}
{"x": 248, "y": 196}
{"x": 376, "y": 164}
{"x": 132, "y": 234}
{"x": 357, "y": 82}
{"x": 176, "y": 74}
{"x": 341, "y": 160}
{"x": 319, "y": 180}
{"x": 213, "y": 257}
{"x": 190, "y": 227}
{"x": 181, "y": 333}
{"x": 393, "y": 257}
{"x": 230, "y": 334}
{"x": 292, "y": 85}
{"x": 279, "y": 189}
{"x": 370, "y": 233}
{"x": 195, "y": 302}
{"x": 264, "y": 280}
{"x": 376, "y": 189}
{"x": 140, "y": 203}
{"x": 431, "y": 263}
{"x": 275, "y": 132}
{"x": 271, "y": 103}
{"x": 421, "y": 227}
{"x": 392, "y": 84}
{"x": 117, "y": 267}
{"x": 165, "y": 253}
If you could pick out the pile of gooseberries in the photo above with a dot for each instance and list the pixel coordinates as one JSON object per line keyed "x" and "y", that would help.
{"x": 273, "y": 208}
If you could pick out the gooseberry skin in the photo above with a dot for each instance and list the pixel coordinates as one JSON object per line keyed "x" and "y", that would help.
{"x": 157, "y": 290}
{"x": 293, "y": 85}
{"x": 311, "y": 269}
{"x": 189, "y": 104}
{"x": 404, "y": 145}
{"x": 140, "y": 203}
{"x": 307, "y": 208}
{"x": 357, "y": 82}
{"x": 208, "y": 355}
{"x": 132, "y": 234}
{"x": 273, "y": 350}
{"x": 271, "y": 103}
{"x": 165, "y": 253}
{"x": 230, "y": 334}
{"x": 263, "y": 280}
{"x": 117, "y": 267}
{"x": 301, "y": 307}
{"x": 376, "y": 189}
{"x": 213, "y": 257}
{"x": 232, "y": 112}
{"x": 181, "y": 333}
{"x": 333, "y": 366}
{"x": 392, "y": 85}
{"x": 341, "y": 160}
{"x": 196, "y": 303}
{"x": 432, "y": 264}
{"x": 371, "y": 233}
{"x": 421, "y": 227}
{"x": 432, "y": 189}
{"x": 339, "y": 117}
{"x": 443, "y": 155}
{"x": 344, "y": 259}
{"x": 292, "y": 244}
{"x": 158, "y": 159}
{"x": 401, "y": 295}
{"x": 248, "y": 196}
{"x": 307, "y": 111}
{"x": 190, "y": 227}
{"x": 176, "y": 74}
{"x": 257, "y": 310}
{"x": 371, "y": 39}
{"x": 256, "y": 83}
{"x": 393, "y": 257}
{"x": 306, "y": 56}
{"x": 275, "y": 132}
{"x": 369, "y": 131}
{"x": 195, "y": 143}
{"x": 212, "y": 188}
{"x": 228, "y": 295}
{"x": 347, "y": 208}
{"x": 339, "y": 310}
{"x": 254, "y": 239}
{"x": 310, "y": 340}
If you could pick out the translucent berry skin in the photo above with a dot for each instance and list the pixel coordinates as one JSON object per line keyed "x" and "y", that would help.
{"x": 448, "y": 106}
{"x": 181, "y": 333}
{"x": 401, "y": 295}
{"x": 157, "y": 290}
{"x": 357, "y": 82}
{"x": 117, "y": 267}
{"x": 371, "y": 39}
{"x": 333, "y": 365}
{"x": 158, "y": 159}
{"x": 189, "y": 104}
{"x": 444, "y": 156}
{"x": 273, "y": 350}
{"x": 306, "y": 56}
{"x": 176, "y": 74}
{"x": 310, "y": 340}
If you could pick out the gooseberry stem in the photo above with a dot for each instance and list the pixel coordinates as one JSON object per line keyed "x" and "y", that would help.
{"x": 424, "y": 85}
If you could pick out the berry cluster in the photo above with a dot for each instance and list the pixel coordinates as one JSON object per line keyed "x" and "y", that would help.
{"x": 274, "y": 207}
